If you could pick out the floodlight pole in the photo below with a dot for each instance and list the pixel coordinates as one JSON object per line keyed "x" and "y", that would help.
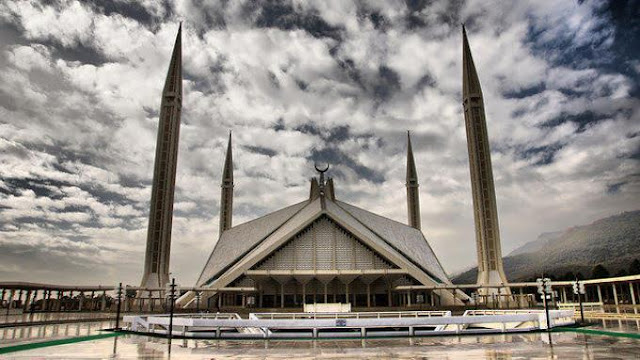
{"x": 546, "y": 303}
{"x": 119, "y": 297}
{"x": 173, "y": 290}
{"x": 580, "y": 300}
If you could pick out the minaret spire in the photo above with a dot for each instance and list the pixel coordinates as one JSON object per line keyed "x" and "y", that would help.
{"x": 490, "y": 268}
{"x": 156, "y": 264}
{"x": 413, "y": 196}
{"x": 470, "y": 81}
{"x": 226, "y": 196}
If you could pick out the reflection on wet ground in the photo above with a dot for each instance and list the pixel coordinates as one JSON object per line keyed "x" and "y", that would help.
{"x": 566, "y": 345}
{"x": 53, "y": 316}
{"x": 26, "y": 334}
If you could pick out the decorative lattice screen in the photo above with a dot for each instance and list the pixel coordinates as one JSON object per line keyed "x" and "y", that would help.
{"x": 323, "y": 246}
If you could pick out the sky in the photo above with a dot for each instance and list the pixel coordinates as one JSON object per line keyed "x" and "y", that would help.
{"x": 298, "y": 82}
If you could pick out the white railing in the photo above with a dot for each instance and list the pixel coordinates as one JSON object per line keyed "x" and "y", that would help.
{"x": 586, "y": 306}
{"x": 356, "y": 325}
{"x": 352, "y": 315}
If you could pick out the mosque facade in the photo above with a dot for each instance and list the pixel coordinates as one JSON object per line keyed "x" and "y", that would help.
{"x": 322, "y": 249}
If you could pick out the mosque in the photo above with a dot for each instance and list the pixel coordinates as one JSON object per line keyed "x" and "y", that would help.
{"x": 321, "y": 249}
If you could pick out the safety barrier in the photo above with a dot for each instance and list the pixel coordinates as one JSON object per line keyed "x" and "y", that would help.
{"x": 357, "y": 325}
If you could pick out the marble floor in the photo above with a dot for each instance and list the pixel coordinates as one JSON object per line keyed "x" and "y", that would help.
{"x": 565, "y": 345}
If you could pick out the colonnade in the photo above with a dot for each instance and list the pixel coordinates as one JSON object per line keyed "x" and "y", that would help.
{"x": 16, "y": 299}
{"x": 621, "y": 292}
{"x": 618, "y": 293}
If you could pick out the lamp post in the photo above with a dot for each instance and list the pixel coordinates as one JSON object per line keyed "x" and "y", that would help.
{"x": 578, "y": 289}
{"x": 544, "y": 288}
{"x": 172, "y": 291}
{"x": 119, "y": 297}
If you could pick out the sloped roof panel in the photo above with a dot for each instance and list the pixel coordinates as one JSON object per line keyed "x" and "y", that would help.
{"x": 284, "y": 231}
{"x": 409, "y": 241}
{"x": 240, "y": 239}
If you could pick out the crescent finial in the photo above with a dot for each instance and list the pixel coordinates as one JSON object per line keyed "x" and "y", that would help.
{"x": 321, "y": 170}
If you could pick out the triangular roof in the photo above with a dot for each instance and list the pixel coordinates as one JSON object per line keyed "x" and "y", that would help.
{"x": 238, "y": 240}
{"x": 242, "y": 246}
{"x": 407, "y": 240}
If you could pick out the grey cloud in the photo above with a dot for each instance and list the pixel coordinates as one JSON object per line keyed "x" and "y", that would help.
{"x": 261, "y": 150}
{"x": 300, "y": 82}
{"x": 283, "y": 15}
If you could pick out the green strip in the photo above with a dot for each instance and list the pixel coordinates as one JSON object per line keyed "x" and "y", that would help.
{"x": 37, "y": 345}
{"x": 599, "y": 332}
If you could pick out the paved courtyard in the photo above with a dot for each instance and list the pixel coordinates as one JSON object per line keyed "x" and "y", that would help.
{"x": 558, "y": 345}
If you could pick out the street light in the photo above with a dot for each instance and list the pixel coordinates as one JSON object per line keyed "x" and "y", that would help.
{"x": 119, "y": 297}
{"x": 544, "y": 288}
{"x": 172, "y": 290}
{"x": 578, "y": 289}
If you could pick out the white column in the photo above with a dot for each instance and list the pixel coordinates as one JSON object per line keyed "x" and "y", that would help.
{"x": 326, "y": 297}
{"x": 521, "y": 300}
{"x": 368, "y": 295}
{"x": 10, "y": 300}
{"x": 19, "y": 298}
{"x": 599, "y": 294}
{"x": 304, "y": 294}
{"x": 27, "y": 300}
{"x": 35, "y": 299}
{"x": 346, "y": 293}
{"x": 633, "y": 297}
{"x": 615, "y": 296}
{"x": 282, "y": 296}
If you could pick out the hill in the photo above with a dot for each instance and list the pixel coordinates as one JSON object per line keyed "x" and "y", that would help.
{"x": 613, "y": 242}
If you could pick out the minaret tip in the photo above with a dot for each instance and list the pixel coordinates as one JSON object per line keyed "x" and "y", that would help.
{"x": 470, "y": 80}
{"x": 227, "y": 172}
{"x": 226, "y": 197}
{"x": 413, "y": 197}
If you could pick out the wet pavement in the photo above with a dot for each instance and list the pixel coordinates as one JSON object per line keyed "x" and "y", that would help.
{"x": 53, "y": 317}
{"x": 564, "y": 345}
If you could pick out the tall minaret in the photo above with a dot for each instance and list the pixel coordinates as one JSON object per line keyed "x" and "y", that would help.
{"x": 226, "y": 196}
{"x": 490, "y": 269}
{"x": 156, "y": 262}
{"x": 413, "y": 197}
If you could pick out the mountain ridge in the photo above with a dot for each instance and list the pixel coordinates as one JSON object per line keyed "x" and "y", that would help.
{"x": 613, "y": 241}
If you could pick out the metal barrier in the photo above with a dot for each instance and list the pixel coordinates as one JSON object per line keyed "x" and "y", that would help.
{"x": 352, "y": 315}
{"x": 388, "y": 324}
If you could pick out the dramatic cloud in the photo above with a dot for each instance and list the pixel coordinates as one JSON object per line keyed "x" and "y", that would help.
{"x": 298, "y": 82}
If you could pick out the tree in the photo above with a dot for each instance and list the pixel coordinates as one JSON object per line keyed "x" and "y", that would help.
{"x": 634, "y": 268}
{"x": 599, "y": 272}
{"x": 621, "y": 272}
